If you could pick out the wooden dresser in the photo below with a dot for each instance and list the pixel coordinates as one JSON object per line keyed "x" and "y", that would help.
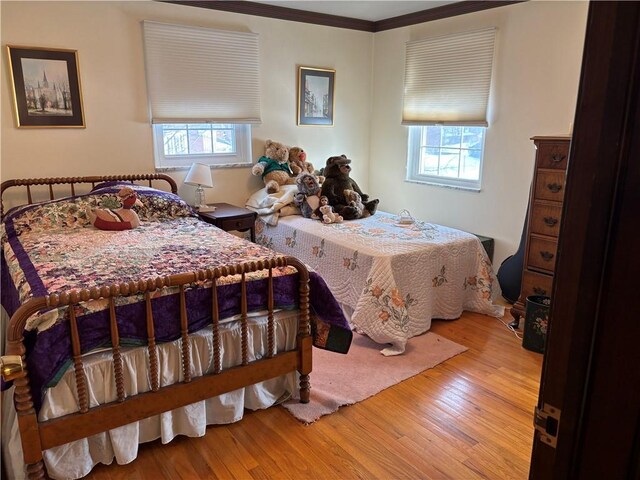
{"x": 545, "y": 207}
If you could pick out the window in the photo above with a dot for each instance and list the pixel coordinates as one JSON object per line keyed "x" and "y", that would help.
{"x": 446, "y": 97}
{"x": 446, "y": 155}
{"x": 215, "y": 144}
{"x": 202, "y": 98}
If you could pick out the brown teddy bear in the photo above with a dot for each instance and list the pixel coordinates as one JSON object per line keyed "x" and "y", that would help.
{"x": 274, "y": 166}
{"x": 355, "y": 200}
{"x": 299, "y": 164}
{"x": 337, "y": 181}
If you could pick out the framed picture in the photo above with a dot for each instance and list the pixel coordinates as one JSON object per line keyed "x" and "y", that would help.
{"x": 315, "y": 96}
{"x": 46, "y": 87}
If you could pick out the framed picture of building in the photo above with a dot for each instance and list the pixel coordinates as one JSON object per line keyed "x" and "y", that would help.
{"x": 315, "y": 96}
{"x": 46, "y": 87}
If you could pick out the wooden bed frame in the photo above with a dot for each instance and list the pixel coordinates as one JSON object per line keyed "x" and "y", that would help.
{"x": 37, "y": 437}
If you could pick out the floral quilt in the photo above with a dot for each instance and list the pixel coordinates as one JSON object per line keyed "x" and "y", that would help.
{"x": 394, "y": 278}
{"x": 52, "y": 247}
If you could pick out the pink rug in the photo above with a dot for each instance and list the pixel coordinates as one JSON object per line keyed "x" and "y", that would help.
{"x": 338, "y": 380}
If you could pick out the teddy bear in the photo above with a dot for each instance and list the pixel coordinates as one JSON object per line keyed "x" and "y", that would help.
{"x": 329, "y": 216}
{"x": 308, "y": 198}
{"x": 299, "y": 164}
{"x": 274, "y": 166}
{"x": 337, "y": 181}
{"x": 355, "y": 200}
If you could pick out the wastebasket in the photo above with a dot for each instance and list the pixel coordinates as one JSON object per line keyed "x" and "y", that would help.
{"x": 536, "y": 322}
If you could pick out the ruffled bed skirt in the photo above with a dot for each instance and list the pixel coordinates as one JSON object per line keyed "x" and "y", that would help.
{"x": 76, "y": 459}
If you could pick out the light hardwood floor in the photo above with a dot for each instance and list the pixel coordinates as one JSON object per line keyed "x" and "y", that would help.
{"x": 468, "y": 418}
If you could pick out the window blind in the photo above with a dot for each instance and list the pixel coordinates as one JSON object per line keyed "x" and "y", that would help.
{"x": 199, "y": 75}
{"x": 448, "y": 79}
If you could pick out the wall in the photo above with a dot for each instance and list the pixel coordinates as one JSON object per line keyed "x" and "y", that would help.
{"x": 118, "y": 138}
{"x": 536, "y": 71}
{"x": 535, "y": 84}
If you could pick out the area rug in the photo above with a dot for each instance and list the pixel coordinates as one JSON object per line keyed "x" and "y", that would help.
{"x": 338, "y": 380}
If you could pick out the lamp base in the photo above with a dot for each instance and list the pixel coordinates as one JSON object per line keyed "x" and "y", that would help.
{"x": 200, "y": 201}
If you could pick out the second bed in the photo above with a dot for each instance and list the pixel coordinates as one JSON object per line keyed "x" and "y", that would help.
{"x": 391, "y": 279}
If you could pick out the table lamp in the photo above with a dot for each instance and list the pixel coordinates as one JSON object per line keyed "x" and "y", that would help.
{"x": 200, "y": 176}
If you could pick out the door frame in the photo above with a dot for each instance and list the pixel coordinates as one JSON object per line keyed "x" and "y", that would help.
{"x": 591, "y": 369}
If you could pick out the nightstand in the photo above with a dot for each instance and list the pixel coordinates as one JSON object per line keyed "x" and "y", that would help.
{"x": 229, "y": 217}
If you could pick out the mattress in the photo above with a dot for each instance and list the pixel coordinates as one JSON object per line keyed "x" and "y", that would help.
{"x": 393, "y": 278}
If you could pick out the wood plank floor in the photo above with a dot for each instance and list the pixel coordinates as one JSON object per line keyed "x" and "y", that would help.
{"x": 468, "y": 418}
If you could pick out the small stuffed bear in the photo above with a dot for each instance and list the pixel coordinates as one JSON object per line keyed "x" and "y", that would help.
{"x": 329, "y": 216}
{"x": 299, "y": 164}
{"x": 274, "y": 166}
{"x": 355, "y": 200}
{"x": 337, "y": 181}
{"x": 308, "y": 198}
{"x": 124, "y": 218}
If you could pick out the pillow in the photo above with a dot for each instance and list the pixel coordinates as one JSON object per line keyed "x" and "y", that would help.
{"x": 157, "y": 204}
{"x": 71, "y": 212}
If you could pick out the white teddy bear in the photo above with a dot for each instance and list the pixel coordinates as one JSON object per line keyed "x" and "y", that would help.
{"x": 329, "y": 216}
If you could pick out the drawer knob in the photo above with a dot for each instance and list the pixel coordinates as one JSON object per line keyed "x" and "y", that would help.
{"x": 546, "y": 256}
{"x": 539, "y": 291}
{"x": 554, "y": 187}
{"x": 238, "y": 224}
{"x": 558, "y": 157}
{"x": 550, "y": 221}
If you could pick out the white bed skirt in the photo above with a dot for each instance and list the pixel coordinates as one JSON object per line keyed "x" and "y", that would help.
{"x": 76, "y": 459}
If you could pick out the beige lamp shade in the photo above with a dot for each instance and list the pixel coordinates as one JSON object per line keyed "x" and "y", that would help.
{"x": 199, "y": 175}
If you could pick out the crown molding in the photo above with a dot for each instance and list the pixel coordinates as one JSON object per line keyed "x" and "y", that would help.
{"x": 280, "y": 13}
{"x": 437, "y": 13}
{"x": 295, "y": 15}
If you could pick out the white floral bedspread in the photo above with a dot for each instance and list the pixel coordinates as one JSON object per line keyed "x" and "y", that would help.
{"x": 396, "y": 279}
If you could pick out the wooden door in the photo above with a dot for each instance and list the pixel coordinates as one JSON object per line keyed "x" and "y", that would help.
{"x": 591, "y": 369}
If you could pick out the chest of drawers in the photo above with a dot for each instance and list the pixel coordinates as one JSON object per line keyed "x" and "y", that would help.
{"x": 545, "y": 205}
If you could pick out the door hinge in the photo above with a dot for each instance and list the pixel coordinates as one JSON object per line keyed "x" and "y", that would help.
{"x": 547, "y": 423}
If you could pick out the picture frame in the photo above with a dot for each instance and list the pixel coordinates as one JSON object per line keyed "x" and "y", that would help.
{"x": 46, "y": 87}
{"x": 316, "y": 98}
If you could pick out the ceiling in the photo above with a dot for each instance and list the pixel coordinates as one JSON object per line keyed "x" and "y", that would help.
{"x": 370, "y": 10}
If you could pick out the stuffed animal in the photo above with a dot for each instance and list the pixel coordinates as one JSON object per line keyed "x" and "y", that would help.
{"x": 329, "y": 216}
{"x": 355, "y": 200}
{"x": 337, "y": 181}
{"x": 299, "y": 164}
{"x": 308, "y": 198}
{"x": 124, "y": 218}
{"x": 274, "y": 166}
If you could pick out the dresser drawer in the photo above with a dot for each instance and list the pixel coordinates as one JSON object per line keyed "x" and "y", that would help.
{"x": 534, "y": 283}
{"x": 238, "y": 223}
{"x": 542, "y": 254}
{"x": 549, "y": 185}
{"x": 545, "y": 219}
{"x": 553, "y": 155}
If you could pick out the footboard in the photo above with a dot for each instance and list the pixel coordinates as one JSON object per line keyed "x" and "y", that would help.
{"x": 38, "y": 436}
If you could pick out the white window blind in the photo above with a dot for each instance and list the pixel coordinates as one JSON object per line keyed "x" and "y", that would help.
{"x": 448, "y": 79}
{"x": 197, "y": 75}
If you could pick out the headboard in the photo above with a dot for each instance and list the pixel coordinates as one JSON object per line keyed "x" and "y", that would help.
{"x": 73, "y": 181}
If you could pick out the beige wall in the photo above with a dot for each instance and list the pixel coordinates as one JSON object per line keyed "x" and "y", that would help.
{"x": 539, "y": 50}
{"x": 535, "y": 83}
{"x": 118, "y": 136}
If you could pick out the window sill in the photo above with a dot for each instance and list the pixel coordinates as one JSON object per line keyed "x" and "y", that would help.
{"x": 184, "y": 168}
{"x": 443, "y": 185}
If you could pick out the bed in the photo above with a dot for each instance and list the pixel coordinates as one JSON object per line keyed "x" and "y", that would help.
{"x": 118, "y": 338}
{"x": 391, "y": 279}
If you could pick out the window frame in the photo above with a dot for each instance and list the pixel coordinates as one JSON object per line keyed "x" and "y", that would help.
{"x": 414, "y": 147}
{"x": 241, "y": 158}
